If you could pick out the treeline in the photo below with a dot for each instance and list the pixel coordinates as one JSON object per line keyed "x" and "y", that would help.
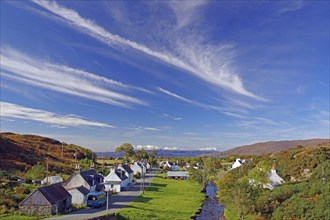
{"x": 304, "y": 195}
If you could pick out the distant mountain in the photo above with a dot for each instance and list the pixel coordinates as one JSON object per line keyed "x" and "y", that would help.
{"x": 268, "y": 147}
{"x": 20, "y": 152}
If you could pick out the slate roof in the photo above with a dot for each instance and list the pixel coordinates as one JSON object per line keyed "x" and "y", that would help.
{"x": 52, "y": 193}
{"x": 127, "y": 168}
{"x": 121, "y": 174}
{"x": 87, "y": 176}
{"x": 83, "y": 190}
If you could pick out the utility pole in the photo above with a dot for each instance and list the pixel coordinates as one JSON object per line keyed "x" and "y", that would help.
{"x": 323, "y": 175}
{"x": 102, "y": 162}
{"x": 47, "y": 170}
{"x": 62, "y": 149}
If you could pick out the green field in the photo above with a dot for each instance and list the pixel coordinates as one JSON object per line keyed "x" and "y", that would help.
{"x": 165, "y": 199}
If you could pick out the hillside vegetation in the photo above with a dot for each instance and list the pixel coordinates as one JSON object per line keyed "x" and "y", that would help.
{"x": 302, "y": 196}
{"x": 268, "y": 147}
{"x": 25, "y": 156}
{"x": 20, "y": 152}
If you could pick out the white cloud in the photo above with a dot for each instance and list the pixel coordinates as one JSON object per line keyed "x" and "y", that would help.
{"x": 186, "y": 12}
{"x": 291, "y": 6}
{"x": 147, "y": 147}
{"x": 202, "y": 105}
{"x": 172, "y": 117}
{"x": 208, "y": 148}
{"x": 211, "y": 63}
{"x": 20, "y": 67}
{"x": 170, "y": 148}
{"x": 17, "y": 111}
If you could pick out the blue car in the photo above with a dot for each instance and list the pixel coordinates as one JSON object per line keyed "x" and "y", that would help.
{"x": 96, "y": 199}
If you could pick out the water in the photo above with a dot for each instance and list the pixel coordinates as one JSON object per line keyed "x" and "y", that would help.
{"x": 211, "y": 209}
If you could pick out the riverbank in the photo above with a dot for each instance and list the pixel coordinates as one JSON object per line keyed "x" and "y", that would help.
{"x": 211, "y": 208}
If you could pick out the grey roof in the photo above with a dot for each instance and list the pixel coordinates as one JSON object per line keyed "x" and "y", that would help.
{"x": 121, "y": 174}
{"x": 91, "y": 174}
{"x": 178, "y": 173}
{"x": 83, "y": 190}
{"x": 127, "y": 168}
{"x": 52, "y": 193}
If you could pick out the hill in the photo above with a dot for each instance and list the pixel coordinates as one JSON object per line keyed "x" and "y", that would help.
{"x": 268, "y": 147}
{"x": 304, "y": 194}
{"x": 21, "y": 152}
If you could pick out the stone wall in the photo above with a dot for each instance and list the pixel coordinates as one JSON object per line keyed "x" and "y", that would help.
{"x": 35, "y": 210}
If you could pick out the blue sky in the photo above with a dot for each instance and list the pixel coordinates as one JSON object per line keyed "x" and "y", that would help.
{"x": 169, "y": 74}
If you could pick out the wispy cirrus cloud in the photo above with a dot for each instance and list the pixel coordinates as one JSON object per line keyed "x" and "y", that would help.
{"x": 21, "y": 67}
{"x": 11, "y": 110}
{"x": 291, "y": 6}
{"x": 202, "y": 105}
{"x": 211, "y": 63}
{"x": 186, "y": 12}
{"x": 171, "y": 117}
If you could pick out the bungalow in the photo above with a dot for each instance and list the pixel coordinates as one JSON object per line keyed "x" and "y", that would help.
{"x": 87, "y": 178}
{"x": 178, "y": 175}
{"x": 274, "y": 179}
{"x": 78, "y": 195}
{"x": 128, "y": 172}
{"x": 116, "y": 181}
{"x": 237, "y": 163}
{"x": 46, "y": 200}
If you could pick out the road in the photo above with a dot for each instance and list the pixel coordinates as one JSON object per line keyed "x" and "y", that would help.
{"x": 116, "y": 202}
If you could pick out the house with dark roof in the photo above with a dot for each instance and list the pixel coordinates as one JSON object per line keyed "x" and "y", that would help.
{"x": 47, "y": 200}
{"x": 128, "y": 172}
{"x": 116, "y": 181}
{"x": 79, "y": 195}
{"x": 86, "y": 178}
{"x": 138, "y": 168}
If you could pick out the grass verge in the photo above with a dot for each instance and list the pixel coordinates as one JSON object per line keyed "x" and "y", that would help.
{"x": 165, "y": 199}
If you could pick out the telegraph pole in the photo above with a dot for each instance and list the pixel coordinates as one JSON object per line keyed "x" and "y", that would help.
{"x": 323, "y": 175}
{"x": 62, "y": 149}
{"x": 47, "y": 170}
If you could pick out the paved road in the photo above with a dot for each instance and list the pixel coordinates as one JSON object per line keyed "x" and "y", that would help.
{"x": 116, "y": 202}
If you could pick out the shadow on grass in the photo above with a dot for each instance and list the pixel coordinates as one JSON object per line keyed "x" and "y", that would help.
{"x": 155, "y": 187}
{"x": 142, "y": 199}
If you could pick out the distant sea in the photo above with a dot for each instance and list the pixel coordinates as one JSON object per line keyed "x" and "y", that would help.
{"x": 162, "y": 153}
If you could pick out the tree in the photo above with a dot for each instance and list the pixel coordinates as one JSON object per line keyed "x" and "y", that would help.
{"x": 142, "y": 155}
{"x": 128, "y": 151}
{"x": 37, "y": 172}
{"x": 152, "y": 157}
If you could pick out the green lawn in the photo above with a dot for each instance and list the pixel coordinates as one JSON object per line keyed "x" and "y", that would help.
{"x": 165, "y": 199}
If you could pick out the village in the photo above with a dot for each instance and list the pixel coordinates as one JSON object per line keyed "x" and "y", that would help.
{"x": 87, "y": 188}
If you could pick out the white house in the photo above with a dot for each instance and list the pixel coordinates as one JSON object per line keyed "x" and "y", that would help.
{"x": 170, "y": 165}
{"x": 128, "y": 172}
{"x": 275, "y": 180}
{"x": 136, "y": 167}
{"x": 78, "y": 195}
{"x": 116, "y": 181}
{"x": 237, "y": 163}
{"x": 147, "y": 166}
{"x": 51, "y": 180}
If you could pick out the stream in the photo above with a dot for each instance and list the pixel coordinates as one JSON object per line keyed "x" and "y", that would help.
{"x": 211, "y": 209}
